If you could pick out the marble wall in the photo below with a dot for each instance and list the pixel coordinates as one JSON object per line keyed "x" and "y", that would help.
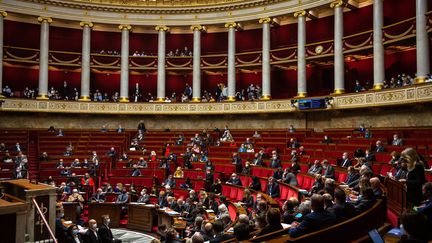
{"x": 406, "y": 116}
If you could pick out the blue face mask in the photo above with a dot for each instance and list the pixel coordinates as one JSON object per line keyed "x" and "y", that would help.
{"x": 75, "y": 231}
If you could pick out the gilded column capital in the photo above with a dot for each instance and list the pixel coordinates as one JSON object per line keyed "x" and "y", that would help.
{"x": 86, "y": 23}
{"x": 161, "y": 28}
{"x": 124, "y": 27}
{"x": 231, "y": 25}
{"x": 300, "y": 13}
{"x": 337, "y": 4}
{"x": 266, "y": 20}
{"x": 3, "y": 13}
{"x": 44, "y": 19}
{"x": 197, "y": 27}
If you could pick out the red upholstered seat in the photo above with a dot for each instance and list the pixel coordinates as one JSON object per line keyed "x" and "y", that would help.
{"x": 226, "y": 190}
{"x": 342, "y": 176}
{"x": 233, "y": 193}
{"x": 232, "y": 212}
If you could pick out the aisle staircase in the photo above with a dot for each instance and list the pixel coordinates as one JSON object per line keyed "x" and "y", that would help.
{"x": 32, "y": 155}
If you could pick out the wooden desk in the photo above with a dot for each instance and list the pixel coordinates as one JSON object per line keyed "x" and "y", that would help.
{"x": 96, "y": 210}
{"x": 170, "y": 220}
{"x": 12, "y": 220}
{"x": 44, "y": 195}
{"x": 70, "y": 209}
{"x": 141, "y": 217}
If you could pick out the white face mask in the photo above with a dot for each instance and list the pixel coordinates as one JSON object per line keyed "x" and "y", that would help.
{"x": 142, "y": 193}
{"x": 94, "y": 226}
{"x": 108, "y": 221}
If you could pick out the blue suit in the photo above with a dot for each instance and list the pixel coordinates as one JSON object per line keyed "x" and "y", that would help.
{"x": 313, "y": 222}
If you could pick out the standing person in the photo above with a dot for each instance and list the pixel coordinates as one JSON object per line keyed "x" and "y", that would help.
{"x": 141, "y": 126}
{"x": 104, "y": 232}
{"x": 91, "y": 236}
{"x": 415, "y": 178}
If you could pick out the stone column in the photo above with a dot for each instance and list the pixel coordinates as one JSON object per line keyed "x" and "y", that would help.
{"x": 266, "y": 72}
{"x": 378, "y": 45}
{"x": 196, "y": 84}
{"x": 124, "y": 66}
{"x": 85, "y": 61}
{"x": 339, "y": 65}
{"x": 231, "y": 61}
{"x": 161, "y": 62}
{"x": 43, "y": 57}
{"x": 301, "y": 54}
{"x": 422, "y": 41}
{"x": 3, "y": 14}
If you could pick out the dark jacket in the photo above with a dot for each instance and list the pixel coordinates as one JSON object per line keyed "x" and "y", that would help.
{"x": 313, "y": 222}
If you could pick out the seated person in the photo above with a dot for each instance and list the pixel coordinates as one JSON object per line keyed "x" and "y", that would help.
{"x": 142, "y": 163}
{"x": 187, "y": 184}
{"x": 369, "y": 156}
{"x": 328, "y": 170}
{"x": 327, "y": 140}
{"x": 98, "y": 196}
{"x": 425, "y": 208}
{"x": 120, "y": 129}
{"x": 123, "y": 197}
{"x": 242, "y": 149}
{"x": 397, "y": 141}
{"x": 341, "y": 209}
{"x": 273, "y": 218}
{"x": 275, "y": 161}
{"x": 345, "y": 161}
{"x": 257, "y": 160}
{"x": 289, "y": 177}
{"x": 255, "y": 184}
{"x": 3, "y": 147}
{"x": 162, "y": 200}
{"x": 256, "y": 135}
{"x": 44, "y": 157}
{"x": 316, "y": 168}
{"x": 169, "y": 182}
{"x": 234, "y": 180}
{"x": 85, "y": 164}
{"x": 220, "y": 235}
{"x": 352, "y": 178}
{"x": 317, "y": 219}
{"x": 180, "y": 140}
{"x": 135, "y": 171}
{"x": 69, "y": 150}
{"x": 379, "y": 147}
{"x": 365, "y": 201}
{"x": 76, "y": 164}
{"x": 273, "y": 188}
{"x": 87, "y": 180}
{"x": 227, "y": 137}
{"x": 376, "y": 187}
{"x": 178, "y": 173}
{"x": 60, "y": 164}
{"x": 144, "y": 197}
{"x": 293, "y": 143}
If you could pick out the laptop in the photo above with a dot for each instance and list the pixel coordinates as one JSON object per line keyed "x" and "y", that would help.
{"x": 375, "y": 236}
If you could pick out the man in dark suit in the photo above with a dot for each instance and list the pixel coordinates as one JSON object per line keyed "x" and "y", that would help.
{"x": 352, "y": 178}
{"x": 345, "y": 161}
{"x": 234, "y": 180}
{"x": 328, "y": 170}
{"x": 315, "y": 220}
{"x": 379, "y": 148}
{"x": 340, "y": 208}
{"x": 91, "y": 236}
{"x": 99, "y": 196}
{"x": 141, "y": 126}
{"x": 162, "y": 200}
{"x": 104, "y": 232}
{"x": 272, "y": 188}
{"x": 273, "y": 218}
{"x": 369, "y": 156}
{"x": 366, "y": 200}
{"x": 220, "y": 236}
{"x": 426, "y": 208}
